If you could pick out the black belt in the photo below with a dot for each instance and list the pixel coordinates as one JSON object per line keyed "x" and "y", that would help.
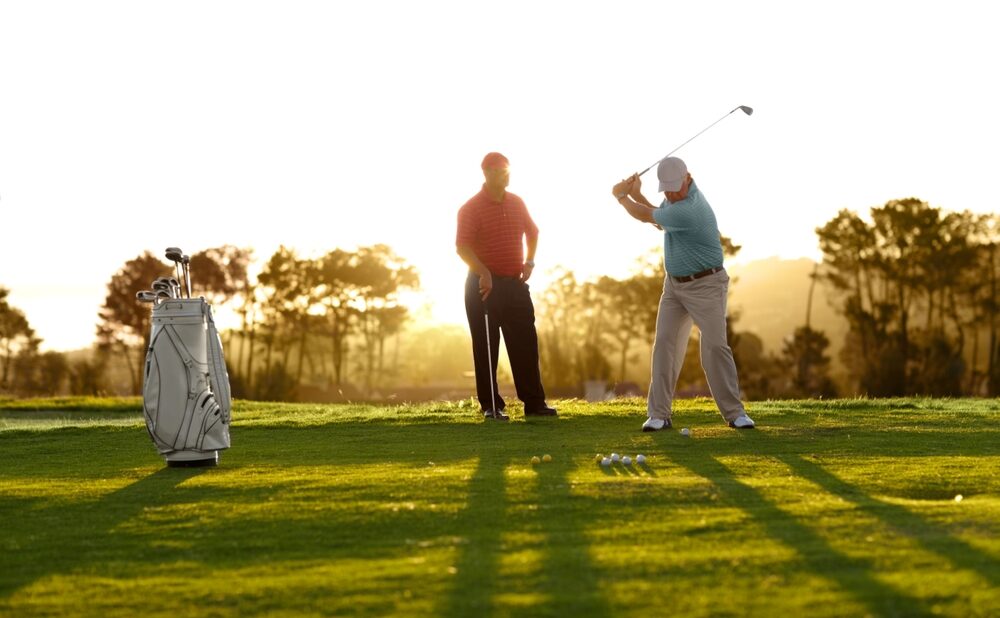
{"x": 704, "y": 273}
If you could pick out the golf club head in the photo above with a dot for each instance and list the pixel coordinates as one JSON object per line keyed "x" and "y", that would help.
{"x": 163, "y": 295}
{"x": 145, "y": 296}
{"x": 746, "y": 110}
{"x": 185, "y": 259}
{"x": 174, "y": 254}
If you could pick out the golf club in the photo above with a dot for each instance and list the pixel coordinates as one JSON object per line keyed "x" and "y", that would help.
{"x": 746, "y": 110}
{"x": 186, "y": 262}
{"x": 161, "y": 284}
{"x": 175, "y": 255}
{"x": 162, "y": 295}
{"x": 145, "y": 296}
{"x": 175, "y": 287}
{"x": 489, "y": 359}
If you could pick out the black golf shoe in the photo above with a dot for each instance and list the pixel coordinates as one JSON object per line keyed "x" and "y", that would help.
{"x": 543, "y": 410}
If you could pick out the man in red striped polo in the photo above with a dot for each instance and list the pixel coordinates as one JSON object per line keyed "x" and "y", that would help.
{"x": 493, "y": 228}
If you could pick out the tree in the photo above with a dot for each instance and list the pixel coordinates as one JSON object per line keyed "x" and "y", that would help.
{"x": 805, "y": 357}
{"x": 336, "y": 280}
{"x": 124, "y": 322}
{"x": 907, "y": 286}
{"x": 16, "y": 337}
{"x": 45, "y": 373}
{"x": 220, "y": 273}
{"x": 559, "y": 331}
{"x": 380, "y": 276}
{"x": 626, "y": 315}
{"x": 287, "y": 285}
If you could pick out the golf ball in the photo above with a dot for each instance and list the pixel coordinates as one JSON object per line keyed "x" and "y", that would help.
{"x": 685, "y": 432}
{"x": 605, "y": 462}
{"x": 627, "y": 460}
{"x": 615, "y": 457}
{"x": 546, "y": 458}
{"x": 640, "y": 458}
{"x": 535, "y": 460}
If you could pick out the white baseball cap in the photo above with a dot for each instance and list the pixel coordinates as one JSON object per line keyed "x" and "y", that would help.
{"x": 671, "y": 172}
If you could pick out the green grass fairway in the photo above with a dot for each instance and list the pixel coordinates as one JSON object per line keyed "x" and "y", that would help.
{"x": 835, "y": 508}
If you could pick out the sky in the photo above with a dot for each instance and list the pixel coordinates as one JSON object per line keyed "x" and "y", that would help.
{"x": 133, "y": 126}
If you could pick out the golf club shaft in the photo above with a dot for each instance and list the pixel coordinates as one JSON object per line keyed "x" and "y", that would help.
{"x": 489, "y": 357}
{"x": 745, "y": 110}
{"x": 187, "y": 278}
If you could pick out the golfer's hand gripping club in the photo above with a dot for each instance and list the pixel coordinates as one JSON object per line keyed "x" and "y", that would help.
{"x": 485, "y": 285}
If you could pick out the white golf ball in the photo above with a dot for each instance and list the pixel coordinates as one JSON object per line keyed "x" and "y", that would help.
{"x": 627, "y": 460}
{"x": 685, "y": 432}
{"x": 640, "y": 458}
{"x": 615, "y": 457}
{"x": 605, "y": 462}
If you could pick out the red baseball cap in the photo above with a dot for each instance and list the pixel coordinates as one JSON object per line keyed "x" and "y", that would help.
{"x": 495, "y": 160}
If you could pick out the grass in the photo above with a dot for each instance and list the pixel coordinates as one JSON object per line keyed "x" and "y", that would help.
{"x": 833, "y": 508}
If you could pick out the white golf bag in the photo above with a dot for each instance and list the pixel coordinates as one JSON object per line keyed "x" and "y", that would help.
{"x": 186, "y": 398}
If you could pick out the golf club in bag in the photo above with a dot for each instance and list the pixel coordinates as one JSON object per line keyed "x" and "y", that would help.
{"x": 186, "y": 398}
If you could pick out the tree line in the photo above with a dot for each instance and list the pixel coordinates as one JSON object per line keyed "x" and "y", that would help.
{"x": 918, "y": 288}
{"x": 916, "y": 285}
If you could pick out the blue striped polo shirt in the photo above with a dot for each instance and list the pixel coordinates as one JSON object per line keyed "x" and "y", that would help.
{"x": 690, "y": 234}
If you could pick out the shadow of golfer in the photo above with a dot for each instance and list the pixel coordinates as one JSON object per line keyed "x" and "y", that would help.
{"x": 902, "y": 520}
{"x": 853, "y": 575}
{"x": 569, "y": 575}
{"x": 481, "y": 524}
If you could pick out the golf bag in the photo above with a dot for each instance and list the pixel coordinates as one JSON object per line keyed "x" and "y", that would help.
{"x": 186, "y": 398}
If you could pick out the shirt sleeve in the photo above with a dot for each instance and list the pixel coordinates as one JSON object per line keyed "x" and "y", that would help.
{"x": 530, "y": 229}
{"x": 673, "y": 219}
{"x": 467, "y": 227}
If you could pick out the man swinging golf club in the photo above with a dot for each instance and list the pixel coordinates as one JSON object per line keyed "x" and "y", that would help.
{"x": 694, "y": 290}
{"x": 493, "y": 227}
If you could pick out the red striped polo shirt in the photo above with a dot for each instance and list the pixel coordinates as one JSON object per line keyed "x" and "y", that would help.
{"x": 495, "y": 231}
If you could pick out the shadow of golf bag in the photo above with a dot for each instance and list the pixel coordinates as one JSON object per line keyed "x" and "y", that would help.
{"x": 185, "y": 391}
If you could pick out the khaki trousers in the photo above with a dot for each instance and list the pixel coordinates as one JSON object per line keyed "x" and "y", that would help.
{"x": 702, "y": 302}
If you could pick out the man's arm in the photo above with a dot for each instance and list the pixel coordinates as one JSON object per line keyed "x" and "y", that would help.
{"x": 475, "y": 265}
{"x": 529, "y": 262}
{"x": 622, "y": 192}
{"x": 629, "y": 194}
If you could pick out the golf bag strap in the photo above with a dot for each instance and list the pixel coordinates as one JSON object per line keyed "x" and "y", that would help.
{"x": 218, "y": 375}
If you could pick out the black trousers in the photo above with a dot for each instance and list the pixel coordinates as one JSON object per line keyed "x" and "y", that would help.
{"x": 510, "y": 311}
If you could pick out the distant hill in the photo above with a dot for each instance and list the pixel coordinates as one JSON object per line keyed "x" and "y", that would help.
{"x": 770, "y": 296}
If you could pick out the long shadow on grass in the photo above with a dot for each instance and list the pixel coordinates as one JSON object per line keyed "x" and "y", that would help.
{"x": 567, "y": 580}
{"x": 853, "y": 575}
{"x": 61, "y": 538}
{"x": 904, "y": 521}
{"x": 478, "y": 563}
{"x": 569, "y": 575}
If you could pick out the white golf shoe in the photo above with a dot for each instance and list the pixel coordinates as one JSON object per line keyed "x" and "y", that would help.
{"x": 742, "y": 422}
{"x": 655, "y": 424}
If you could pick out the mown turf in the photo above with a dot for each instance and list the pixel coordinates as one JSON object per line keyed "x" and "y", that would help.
{"x": 827, "y": 509}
